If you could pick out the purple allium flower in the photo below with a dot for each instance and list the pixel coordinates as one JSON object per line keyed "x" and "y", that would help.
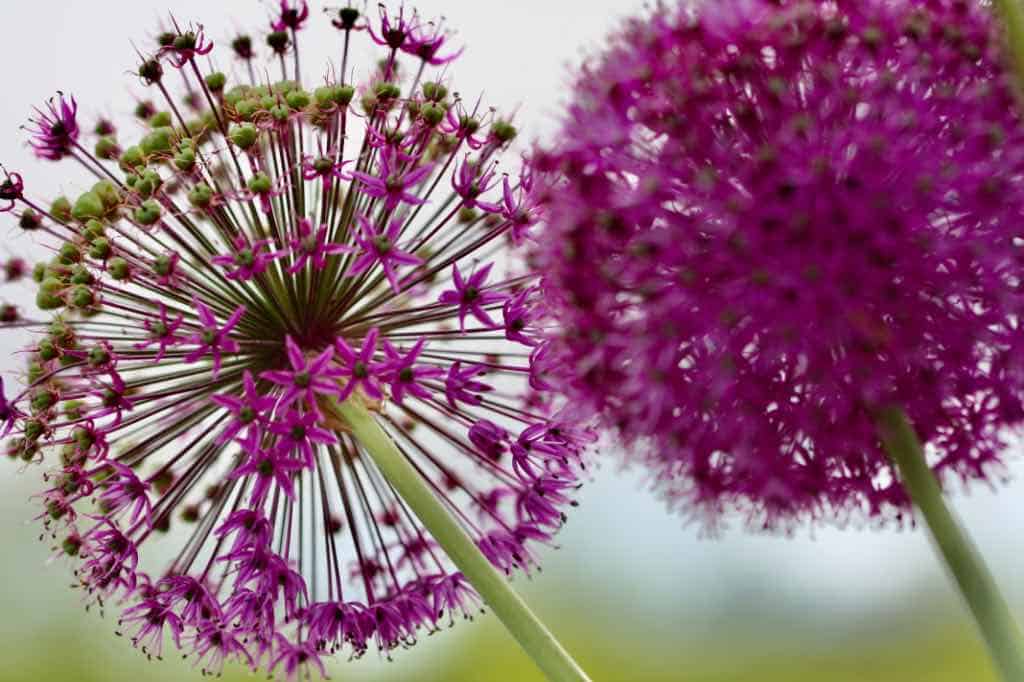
{"x": 213, "y": 292}
{"x": 362, "y": 370}
{"x": 378, "y": 246}
{"x": 311, "y": 246}
{"x": 56, "y": 129}
{"x": 470, "y": 296}
{"x": 396, "y": 180}
{"x": 470, "y": 182}
{"x": 767, "y": 222}
{"x": 291, "y": 18}
{"x": 406, "y": 375}
{"x": 211, "y": 339}
{"x": 246, "y": 260}
{"x": 425, "y": 40}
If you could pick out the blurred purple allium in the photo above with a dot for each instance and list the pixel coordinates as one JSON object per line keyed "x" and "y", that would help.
{"x": 769, "y": 220}
{"x": 217, "y": 287}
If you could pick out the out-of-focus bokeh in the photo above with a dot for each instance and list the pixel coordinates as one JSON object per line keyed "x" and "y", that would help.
{"x": 635, "y": 593}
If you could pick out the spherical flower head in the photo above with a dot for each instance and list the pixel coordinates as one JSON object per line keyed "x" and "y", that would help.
{"x": 769, "y": 221}
{"x": 214, "y": 294}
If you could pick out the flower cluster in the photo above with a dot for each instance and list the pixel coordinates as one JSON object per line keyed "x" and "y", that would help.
{"x": 770, "y": 220}
{"x": 263, "y": 252}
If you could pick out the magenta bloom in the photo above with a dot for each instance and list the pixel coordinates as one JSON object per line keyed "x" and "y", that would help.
{"x": 183, "y": 379}
{"x": 425, "y": 41}
{"x": 471, "y": 296}
{"x": 271, "y": 470}
{"x": 312, "y": 247}
{"x": 247, "y": 260}
{"x": 395, "y": 184}
{"x": 211, "y": 339}
{"x": 8, "y": 412}
{"x": 360, "y": 368}
{"x": 184, "y": 47}
{"x": 289, "y": 17}
{"x": 461, "y": 386}
{"x": 249, "y": 411}
{"x": 56, "y": 129}
{"x": 305, "y": 379}
{"x": 470, "y": 182}
{"x": 11, "y": 191}
{"x": 300, "y": 432}
{"x": 162, "y": 332}
{"x": 769, "y": 222}
{"x": 381, "y": 247}
{"x": 403, "y": 373}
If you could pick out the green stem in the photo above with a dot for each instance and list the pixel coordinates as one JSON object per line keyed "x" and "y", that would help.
{"x": 493, "y": 587}
{"x": 1011, "y": 12}
{"x": 976, "y": 584}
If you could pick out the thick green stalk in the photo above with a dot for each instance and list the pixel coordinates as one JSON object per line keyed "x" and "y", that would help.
{"x": 1011, "y": 12}
{"x": 968, "y": 569}
{"x": 493, "y": 587}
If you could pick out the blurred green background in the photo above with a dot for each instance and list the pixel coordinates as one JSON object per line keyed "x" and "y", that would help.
{"x": 633, "y": 592}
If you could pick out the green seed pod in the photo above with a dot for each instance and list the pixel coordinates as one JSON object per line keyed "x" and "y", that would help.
{"x": 504, "y": 131}
{"x": 69, "y": 253}
{"x": 343, "y": 94}
{"x": 82, "y": 296}
{"x": 108, "y": 194}
{"x": 160, "y": 119}
{"x": 278, "y": 41}
{"x": 106, "y": 148}
{"x": 163, "y": 265}
{"x": 81, "y": 275}
{"x": 298, "y": 99}
{"x": 216, "y": 81}
{"x": 29, "y": 220}
{"x": 435, "y": 92}
{"x": 47, "y": 301}
{"x": 432, "y": 114}
{"x": 61, "y": 209}
{"x": 159, "y": 141}
{"x": 72, "y": 409}
{"x": 34, "y": 429}
{"x": 148, "y": 213}
{"x": 235, "y": 95}
{"x": 47, "y": 351}
{"x": 244, "y": 135}
{"x": 118, "y": 268}
{"x": 99, "y": 248}
{"x": 246, "y": 108}
{"x": 185, "y": 160}
{"x": 42, "y": 401}
{"x": 324, "y": 97}
{"x": 131, "y": 158}
{"x": 98, "y": 356}
{"x": 151, "y": 71}
{"x": 201, "y": 195}
{"x": 38, "y": 272}
{"x": 93, "y": 229}
{"x": 260, "y": 183}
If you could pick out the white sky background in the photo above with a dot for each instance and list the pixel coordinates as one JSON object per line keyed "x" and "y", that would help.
{"x": 620, "y": 550}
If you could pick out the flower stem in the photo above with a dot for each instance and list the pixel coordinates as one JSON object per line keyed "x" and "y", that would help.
{"x": 966, "y": 565}
{"x": 1012, "y": 14}
{"x": 492, "y": 586}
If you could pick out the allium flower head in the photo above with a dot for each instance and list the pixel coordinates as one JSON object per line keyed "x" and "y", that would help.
{"x": 770, "y": 220}
{"x": 215, "y": 290}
